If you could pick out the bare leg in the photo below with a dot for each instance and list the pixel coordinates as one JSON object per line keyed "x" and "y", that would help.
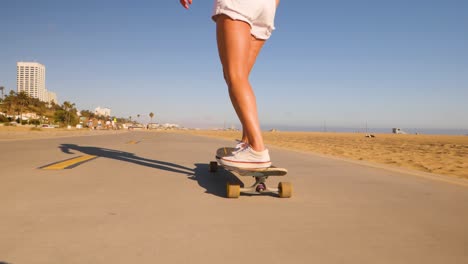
{"x": 255, "y": 47}
{"x": 238, "y": 51}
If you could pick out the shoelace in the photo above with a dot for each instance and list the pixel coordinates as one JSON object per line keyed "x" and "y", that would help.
{"x": 240, "y": 147}
{"x": 244, "y": 149}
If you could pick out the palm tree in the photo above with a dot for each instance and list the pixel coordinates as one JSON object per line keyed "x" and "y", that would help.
{"x": 151, "y": 116}
{"x": 9, "y": 103}
{"x": 22, "y": 101}
{"x": 68, "y": 107}
{"x": 41, "y": 110}
{"x": 38, "y": 107}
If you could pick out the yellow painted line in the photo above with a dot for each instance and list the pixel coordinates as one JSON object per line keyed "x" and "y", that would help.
{"x": 68, "y": 163}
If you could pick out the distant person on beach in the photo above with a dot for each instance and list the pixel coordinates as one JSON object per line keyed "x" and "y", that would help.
{"x": 242, "y": 27}
{"x": 90, "y": 124}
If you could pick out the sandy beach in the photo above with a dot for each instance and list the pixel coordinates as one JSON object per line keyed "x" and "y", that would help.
{"x": 438, "y": 154}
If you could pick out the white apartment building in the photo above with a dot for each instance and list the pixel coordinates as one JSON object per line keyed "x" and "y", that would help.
{"x": 51, "y": 97}
{"x": 30, "y": 78}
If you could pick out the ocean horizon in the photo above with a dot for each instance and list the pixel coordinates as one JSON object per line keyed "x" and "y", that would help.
{"x": 370, "y": 130}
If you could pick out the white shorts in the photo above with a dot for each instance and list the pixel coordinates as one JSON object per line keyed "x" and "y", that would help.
{"x": 259, "y": 14}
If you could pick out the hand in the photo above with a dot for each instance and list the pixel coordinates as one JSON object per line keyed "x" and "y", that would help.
{"x": 185, "y": 3}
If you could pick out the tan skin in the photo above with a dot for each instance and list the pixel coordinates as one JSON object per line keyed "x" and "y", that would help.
{"x": 238, "y": 51}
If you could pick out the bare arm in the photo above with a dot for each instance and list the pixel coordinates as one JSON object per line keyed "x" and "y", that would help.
{"x": 187, "y": 3}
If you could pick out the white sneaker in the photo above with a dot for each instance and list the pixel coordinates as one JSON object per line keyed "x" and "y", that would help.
{"x": 247, "y": 158}
{"x": 228, "y": 151}
{"x": 240, "y": 146}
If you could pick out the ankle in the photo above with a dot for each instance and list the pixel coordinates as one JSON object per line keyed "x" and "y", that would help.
{"x": 258, "y": 148}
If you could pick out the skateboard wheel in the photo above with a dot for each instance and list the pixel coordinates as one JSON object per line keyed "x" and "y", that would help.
{"x": 285, "y": 189}
{"x": 232, "y": 190}
{"x": 213, "y": 167}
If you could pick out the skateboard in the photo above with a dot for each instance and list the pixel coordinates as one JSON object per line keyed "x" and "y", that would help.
{"x": 284, "y": 189}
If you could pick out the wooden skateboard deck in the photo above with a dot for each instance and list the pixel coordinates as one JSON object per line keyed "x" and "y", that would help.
{"x": 223, "y": 152}
{"x": 233, "y": 190}
{"x": 270, "y": 171}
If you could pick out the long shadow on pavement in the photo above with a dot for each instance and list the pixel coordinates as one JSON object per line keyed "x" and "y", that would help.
{"x": 213, "y": 183}
{"x": 127, "y": 157}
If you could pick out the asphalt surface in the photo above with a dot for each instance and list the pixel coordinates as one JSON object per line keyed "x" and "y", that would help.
{"x": 149, "y": 198}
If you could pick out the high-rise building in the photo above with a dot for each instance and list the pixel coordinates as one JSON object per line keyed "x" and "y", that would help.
{"x": 30, "y": 78}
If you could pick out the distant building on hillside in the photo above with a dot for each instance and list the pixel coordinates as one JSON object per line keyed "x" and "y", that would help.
{"x": 30, "y": 79}
{"x": 52, "y": 97}
{"x": 102, "y": 111}
{"x": 398, "y": 131}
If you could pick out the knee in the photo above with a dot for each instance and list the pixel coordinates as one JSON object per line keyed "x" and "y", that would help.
{"x": 234, "y": 78}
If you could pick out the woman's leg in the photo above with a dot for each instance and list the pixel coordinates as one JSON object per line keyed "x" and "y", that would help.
{"x": 255, "y": 47}
{"x": 238, "y": 51}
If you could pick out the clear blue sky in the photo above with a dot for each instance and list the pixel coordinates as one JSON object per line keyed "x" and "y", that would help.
{"x": 388, "y": 63}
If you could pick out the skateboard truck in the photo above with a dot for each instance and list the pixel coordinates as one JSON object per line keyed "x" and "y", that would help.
{"x": 284, "y": 189}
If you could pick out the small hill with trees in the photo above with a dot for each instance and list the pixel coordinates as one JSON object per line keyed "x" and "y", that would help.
{"x": 23, "y": 109}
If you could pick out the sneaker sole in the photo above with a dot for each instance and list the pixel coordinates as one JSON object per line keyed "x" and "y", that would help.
{"x": 245, "y": 165}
